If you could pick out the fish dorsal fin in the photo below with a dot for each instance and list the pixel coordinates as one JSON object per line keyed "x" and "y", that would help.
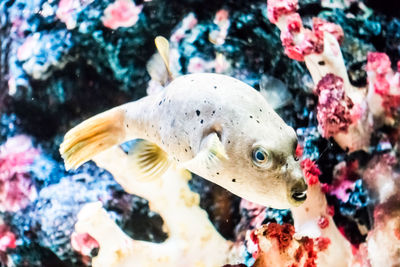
{"x": 162, "y": 45}
{"x": 149, "y": 160}
{"x": 211, "y": 153}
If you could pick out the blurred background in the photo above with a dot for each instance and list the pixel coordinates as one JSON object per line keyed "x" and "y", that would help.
{"x": 62, "y": 61}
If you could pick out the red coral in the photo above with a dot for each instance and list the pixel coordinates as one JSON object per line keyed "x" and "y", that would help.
{"x": 282, "y": 233}
{"x": 16, "y": 189}
{"x": 7, "y": 238}
{"x": 323, "y": 222}
{"x": 299, "y": 151}
{"x": 308, "y": 245}
{"x": 397, "y": 233}
{"x": 330, "y": 210}
{"x": 299, "y": 253}
{"x": 311, "y": 171}
{"x": 323, "y": 243}
{"x": 320, "y": 26}
{"x": 277, "y": 8}
{"x": 333, "y": 106}
{"x": 325, "y": 188}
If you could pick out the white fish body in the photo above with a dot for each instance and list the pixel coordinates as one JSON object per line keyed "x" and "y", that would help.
{"x": 211, "y": 124}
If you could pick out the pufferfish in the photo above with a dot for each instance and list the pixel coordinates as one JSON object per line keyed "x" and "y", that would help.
{"x": 210, "y": 124}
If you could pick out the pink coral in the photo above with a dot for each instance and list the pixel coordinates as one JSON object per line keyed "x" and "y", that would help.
{"x": 306, "y": 45}
{"x": 67, "y": 10}
{"x": 121, "y": 13}
{"x": 83, "y": 243}
{"x": 384, "y": 83}
{"x": 256, "y": 212}
{"x": 188, "y": 23}
{"x": 16, "y": 189}
{"x": 294, "y": 23}
{"x": 320, "y": 26}
{"x": 378, "y": 63}
{"x": 311, "y": 171}
{"x": 277, "y": 8}
{"x": 334, "y": 106}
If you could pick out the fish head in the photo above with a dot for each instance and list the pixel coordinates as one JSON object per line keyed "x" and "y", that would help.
{"x": 268, "y": 170}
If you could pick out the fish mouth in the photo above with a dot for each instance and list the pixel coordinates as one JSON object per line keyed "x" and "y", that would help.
{"x": 298, "y": 193}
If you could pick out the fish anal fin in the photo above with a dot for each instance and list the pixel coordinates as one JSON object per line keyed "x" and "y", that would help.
{"x": 148, "y": 160}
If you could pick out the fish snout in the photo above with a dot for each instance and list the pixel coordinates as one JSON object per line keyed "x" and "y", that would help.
{"x": 298, "y": 193}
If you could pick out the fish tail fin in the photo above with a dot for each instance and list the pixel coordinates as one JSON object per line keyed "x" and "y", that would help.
{"x": 92, "y": 136}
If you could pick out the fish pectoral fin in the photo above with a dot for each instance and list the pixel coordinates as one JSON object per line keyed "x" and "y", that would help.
{"x": 212, "y": 152}
{"x": 148, "y": 160}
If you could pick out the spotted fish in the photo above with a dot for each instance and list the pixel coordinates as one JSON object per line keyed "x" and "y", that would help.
{"x": 210, "y": 124}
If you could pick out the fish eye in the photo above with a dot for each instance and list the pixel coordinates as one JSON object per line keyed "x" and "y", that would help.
{"x": 260, "y": 157}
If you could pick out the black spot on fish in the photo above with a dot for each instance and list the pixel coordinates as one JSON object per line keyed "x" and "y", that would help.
{"x": 217, "y": 173}
{"x": 229, "y": 141}
{"x": 201, "y": 121}
{"x": 213, "y": 113}
{"x": 260, "y": 110}
{"x": 198, "y": 112}
{"x": 152, "y": 126}
{"x": 251, "y": 117}
{"x": 127, "y": 126}
{"x": 280, "y": 127}
{"x": 160, "y": 103}
{"x": 190, "y": 147}
{"x": 185, "y": 113}
{"x": 233, "y": 180}
{"x": 215, "y": 87}
{"x": 185, "y": 150}
{"x": 257, "y": 121}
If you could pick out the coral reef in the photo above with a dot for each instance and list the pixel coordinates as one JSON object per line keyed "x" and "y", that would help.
{"x": 328, "y": 67}
{"x": 192, "y": 240}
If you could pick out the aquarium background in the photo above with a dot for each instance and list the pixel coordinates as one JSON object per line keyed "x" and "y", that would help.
{"x": 64, "y": 61}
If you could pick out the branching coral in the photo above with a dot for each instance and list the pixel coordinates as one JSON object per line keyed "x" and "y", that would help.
{"x": 342, "y": 112}
{"x": 192, "y": 239}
